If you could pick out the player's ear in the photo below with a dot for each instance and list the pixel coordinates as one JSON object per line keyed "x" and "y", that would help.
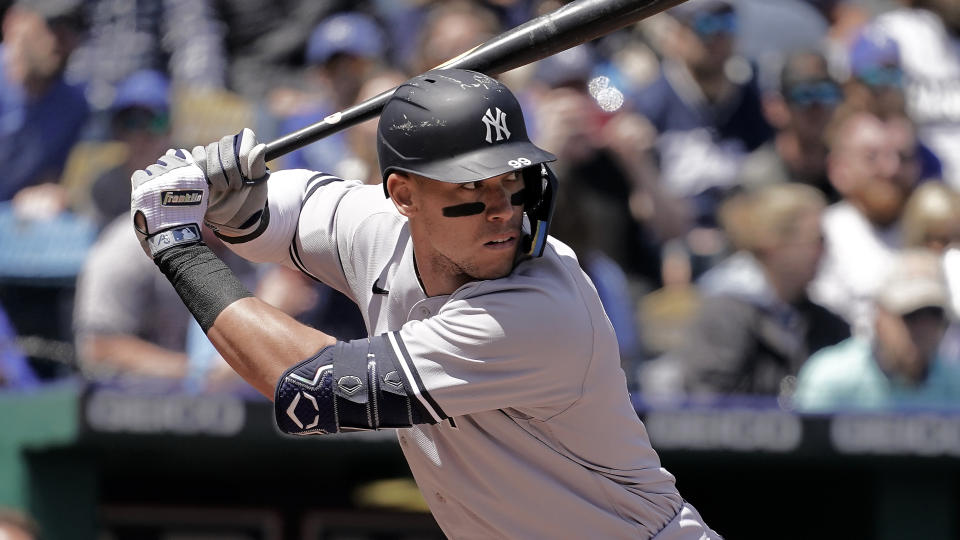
{"x": 401, "y": 187}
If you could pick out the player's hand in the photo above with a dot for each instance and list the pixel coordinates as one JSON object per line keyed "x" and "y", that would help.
{"x": 168, "y": 200}
{"x": 236, "y": 169}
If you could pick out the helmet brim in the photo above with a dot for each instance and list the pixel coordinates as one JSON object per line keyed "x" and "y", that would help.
{"x": 479, "y": 164}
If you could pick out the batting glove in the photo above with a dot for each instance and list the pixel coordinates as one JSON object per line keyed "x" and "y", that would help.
{"x": 168, "y": 200}
{"x": 236, "y": 169}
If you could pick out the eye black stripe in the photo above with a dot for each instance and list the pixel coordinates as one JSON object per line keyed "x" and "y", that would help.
{"x": 465, "y": 209}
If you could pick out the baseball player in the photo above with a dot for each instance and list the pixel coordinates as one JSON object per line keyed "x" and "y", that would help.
{"x": 489, "y": 351}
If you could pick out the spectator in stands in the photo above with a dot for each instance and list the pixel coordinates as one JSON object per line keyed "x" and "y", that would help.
{"x": 15, "y": 525}
{"x": 342, "y": 53}
{"x": 931, "y": 218}
{"x": 800, "y": 108}
{"x": 705, "y": 104}
{"x": 876, "y": 85}
{"x": 265, "y": 41}
{"x": 41, "y": 116}
{"x": 128, "y": 320}
{"x": 927, "y": 33}
{"x": 844, "y": 18}
{"x": 756, "y": 325}
{"x": 602, "y": 171}
{"x": 182, "y": 38}
{"x": 874, "y": 167}
{"x": 140, "y": 118}
{"x": 451, "y": 28}
{"x": 361, "y": 161}
{"x": 899, "y": 367}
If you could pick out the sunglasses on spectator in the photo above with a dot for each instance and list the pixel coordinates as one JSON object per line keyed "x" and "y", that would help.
{"x": 807, "y": 94}
{"x": 882, "y": 76}
{"x": 709, "y": 25}
{"x": 140, "y": 119}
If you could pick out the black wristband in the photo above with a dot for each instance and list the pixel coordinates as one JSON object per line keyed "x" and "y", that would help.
{"x": 202, "y": 280}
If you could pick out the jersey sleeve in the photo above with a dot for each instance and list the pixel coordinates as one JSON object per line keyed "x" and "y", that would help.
{"x": 314, "y": 221}
{"x": 515, "y": 348}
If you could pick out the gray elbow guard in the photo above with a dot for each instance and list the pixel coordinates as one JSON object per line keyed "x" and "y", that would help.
{"x": 349, "y": 386}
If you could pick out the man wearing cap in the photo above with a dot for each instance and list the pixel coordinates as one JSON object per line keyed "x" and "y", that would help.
{"x": 140, "y": 119}
{"x": 705, "y": 104}
{"x": 899, "y": 367}
{"x": 877, "y": 85}
{"x": 343, "y": 52}
{"x": 927, "y": 34}
{"x": 800, "y": 108}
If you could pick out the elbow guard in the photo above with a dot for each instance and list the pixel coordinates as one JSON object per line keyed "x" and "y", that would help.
{"x": 349, "y": 386}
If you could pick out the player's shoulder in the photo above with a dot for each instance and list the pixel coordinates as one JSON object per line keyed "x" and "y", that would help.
{"x": 370, "y": 216}
{"x": 356, "y": 206}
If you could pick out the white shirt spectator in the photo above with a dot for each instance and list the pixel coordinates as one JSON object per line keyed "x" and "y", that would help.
{"x": 856, "y": 260}
{"x": 930, "y": 59}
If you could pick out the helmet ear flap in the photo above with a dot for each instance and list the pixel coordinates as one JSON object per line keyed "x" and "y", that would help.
{"x": 541, "y": 187}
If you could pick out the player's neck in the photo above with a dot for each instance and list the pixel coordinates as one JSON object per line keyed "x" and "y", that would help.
{"x": 437, "y": 276}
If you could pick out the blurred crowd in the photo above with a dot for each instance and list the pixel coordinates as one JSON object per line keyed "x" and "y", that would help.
{"x": 766, "y": 193}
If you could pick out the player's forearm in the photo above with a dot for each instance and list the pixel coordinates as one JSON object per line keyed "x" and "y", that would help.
{"x": 260, "y": 342}
{"x": 257, "y": 340}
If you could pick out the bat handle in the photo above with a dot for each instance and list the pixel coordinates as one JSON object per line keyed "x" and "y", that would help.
{"x": 334, "y": 123}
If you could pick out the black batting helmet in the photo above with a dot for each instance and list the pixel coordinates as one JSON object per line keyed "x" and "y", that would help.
{"x": 459, "y": 126}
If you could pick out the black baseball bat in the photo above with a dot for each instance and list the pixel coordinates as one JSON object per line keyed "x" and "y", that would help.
{"x": 575, "y": 23}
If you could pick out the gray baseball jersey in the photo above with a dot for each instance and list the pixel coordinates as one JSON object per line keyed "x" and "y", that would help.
{"x": 534, "y": 433}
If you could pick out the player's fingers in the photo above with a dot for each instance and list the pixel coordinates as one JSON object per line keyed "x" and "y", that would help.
{"x": 227, "y": 150}
{"x": 252, "y": 155}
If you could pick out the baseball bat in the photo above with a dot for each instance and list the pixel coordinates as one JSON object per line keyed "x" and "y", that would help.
{"x": 575, "y": 23}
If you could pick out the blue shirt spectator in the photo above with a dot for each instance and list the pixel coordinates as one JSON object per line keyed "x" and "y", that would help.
{"x": 669, "y": 104}
{"x": 901, "y": 366}
{"x": 36, "y": 132}
{"x": 342, "y": 52}
{"x": 705, "y": 105}
{"x": 847, "y": 376}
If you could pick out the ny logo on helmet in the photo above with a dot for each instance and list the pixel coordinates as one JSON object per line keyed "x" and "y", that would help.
{"x": 498, "y": 122}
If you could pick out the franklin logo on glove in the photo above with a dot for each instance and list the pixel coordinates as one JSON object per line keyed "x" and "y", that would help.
{"x": 181, "y": 197}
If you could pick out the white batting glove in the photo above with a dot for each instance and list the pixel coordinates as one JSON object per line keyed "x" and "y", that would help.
{"x": 236, "y": 169}
{"x": 168, "y": 201}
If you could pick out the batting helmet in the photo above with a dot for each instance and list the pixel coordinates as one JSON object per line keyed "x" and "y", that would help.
{"x": 460, "y": 126}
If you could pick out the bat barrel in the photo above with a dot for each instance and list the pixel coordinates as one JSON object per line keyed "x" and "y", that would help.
{"x": 575, "y": 23}
{"x": 570, "y": 25}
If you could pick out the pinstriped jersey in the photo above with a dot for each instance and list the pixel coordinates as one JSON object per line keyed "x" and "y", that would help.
{"x": 534, "y": 433}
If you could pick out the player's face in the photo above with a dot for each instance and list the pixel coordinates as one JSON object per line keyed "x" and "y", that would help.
{"x": 471, "y": 231}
